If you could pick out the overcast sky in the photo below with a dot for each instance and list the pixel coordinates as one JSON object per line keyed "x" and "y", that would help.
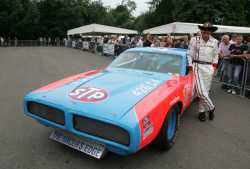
{"x": 141, "y": 5}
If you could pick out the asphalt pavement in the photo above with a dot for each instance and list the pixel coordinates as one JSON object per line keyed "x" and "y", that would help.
{"x": 220, "y": 144}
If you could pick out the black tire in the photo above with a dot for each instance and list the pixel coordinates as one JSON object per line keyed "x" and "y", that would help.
{"x": 162, "y": 141}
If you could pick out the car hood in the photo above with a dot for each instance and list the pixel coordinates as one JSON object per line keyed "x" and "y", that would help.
{"x": 120, "y": 89}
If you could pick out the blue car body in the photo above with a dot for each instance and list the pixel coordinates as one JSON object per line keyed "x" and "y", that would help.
{"x": 117, "y": 109}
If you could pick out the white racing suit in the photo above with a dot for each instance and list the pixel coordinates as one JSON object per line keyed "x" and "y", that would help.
{"x": 203, "y": 56}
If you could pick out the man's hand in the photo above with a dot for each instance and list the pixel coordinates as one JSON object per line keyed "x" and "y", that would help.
{"x": 243, "y": 56}
{"x": 190, "y": 68}
{"x": 226, "y": 57}
{"x": 215, "y": 67}
{"x": 234, "y": 56}
{"x": 247, "y": 56}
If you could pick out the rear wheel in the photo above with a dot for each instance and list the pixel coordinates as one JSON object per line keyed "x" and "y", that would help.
{"x": 167, "y": 135}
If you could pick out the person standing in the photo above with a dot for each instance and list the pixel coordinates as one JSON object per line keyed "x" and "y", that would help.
{"x": 156, "y": 42}
{"x": 168, "y": 42}
{"x": 203, "y": 59}
{"x": 233, "y": 39}
{"x": 236, "y": 65}
{"x": 248, "y": 43}
{"x": 15, "y": 40}
{"x": 139, "y": 43}
{"x": 1, "y": 41}
{"x": 148, "y": 41}
{"x": 224, "y": 54}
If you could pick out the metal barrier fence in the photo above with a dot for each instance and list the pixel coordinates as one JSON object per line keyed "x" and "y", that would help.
{"x": 105, "y": 49}
{"x": 244, "y": 84}
{"x": 20, "y": 43}
{"x": 246, "y": 88}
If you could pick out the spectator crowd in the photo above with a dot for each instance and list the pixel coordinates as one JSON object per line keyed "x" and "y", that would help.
{"x": 122, "y": 43}
{"x": 136, "y": 41}
{"x": 234, "y": 51}
{"x": 234, "y": 54}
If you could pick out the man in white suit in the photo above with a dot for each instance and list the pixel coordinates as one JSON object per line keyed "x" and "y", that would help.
{"x": 203, "y": 58}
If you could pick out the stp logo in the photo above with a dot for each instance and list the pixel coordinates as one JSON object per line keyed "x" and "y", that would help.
{"x": 89, "y": 94}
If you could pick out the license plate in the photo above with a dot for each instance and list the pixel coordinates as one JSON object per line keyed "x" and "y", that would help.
{"x": 85, "y": 146}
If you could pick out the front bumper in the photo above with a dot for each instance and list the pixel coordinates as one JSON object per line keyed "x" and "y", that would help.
{"x": 129, "y": 123}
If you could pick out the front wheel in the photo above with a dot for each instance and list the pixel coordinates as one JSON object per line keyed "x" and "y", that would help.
{"x": 167, "y": 135}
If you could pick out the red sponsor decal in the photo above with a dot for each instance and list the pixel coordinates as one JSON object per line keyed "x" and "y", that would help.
{"x": 88, "y": 94}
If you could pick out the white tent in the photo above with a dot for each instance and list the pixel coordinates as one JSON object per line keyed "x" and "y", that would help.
{"x": 189, "y": 28}
{"x": 97, "y": 28}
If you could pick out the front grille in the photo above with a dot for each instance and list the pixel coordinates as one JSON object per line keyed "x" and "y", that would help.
{"x": 46, "y": 112}
{"x": 101, "y": 129}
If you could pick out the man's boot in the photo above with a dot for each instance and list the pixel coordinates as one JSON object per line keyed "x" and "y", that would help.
{"x": 202, "y": 116}
{"x": 211, "y": 114}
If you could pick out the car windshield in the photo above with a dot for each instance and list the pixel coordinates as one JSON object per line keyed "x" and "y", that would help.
{"x": 155, "y": 62}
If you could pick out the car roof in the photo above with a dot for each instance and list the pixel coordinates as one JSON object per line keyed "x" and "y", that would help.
{"x": 175, "y": 51}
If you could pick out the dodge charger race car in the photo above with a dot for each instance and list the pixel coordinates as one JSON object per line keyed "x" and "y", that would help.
{"x": 134, "y": 101}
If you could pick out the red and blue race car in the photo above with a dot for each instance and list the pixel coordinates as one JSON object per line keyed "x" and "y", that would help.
{"x": 136, "y": 100}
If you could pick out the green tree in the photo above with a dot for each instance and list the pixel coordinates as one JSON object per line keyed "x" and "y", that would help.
{"x": 227, "y": 12}
{"x": 18, "y": 18}
{"x": 97, "y": 13}
{"x": 28, "y": 25}
{"x": 30, "y": 19}
{"x": 131, "y": 5}
{"x": 121, "y": 17}
{"x": 57, "y": 16}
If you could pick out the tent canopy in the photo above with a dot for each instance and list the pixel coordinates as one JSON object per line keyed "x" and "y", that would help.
{"x": 100, "y": 29}
{"x": 188, "y": 28}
